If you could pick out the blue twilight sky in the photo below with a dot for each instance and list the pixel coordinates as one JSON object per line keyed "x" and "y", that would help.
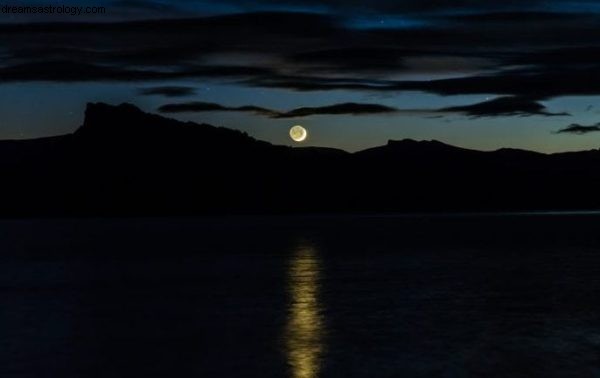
{"x": 477, "y": 74}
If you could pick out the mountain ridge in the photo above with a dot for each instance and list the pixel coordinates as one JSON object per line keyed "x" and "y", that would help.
{"x": 93, "y": 109}
{"x": 123, "y": 161}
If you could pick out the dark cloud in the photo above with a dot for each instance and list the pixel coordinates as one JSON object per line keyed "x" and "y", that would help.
{"x": 136, "y": 9}
{"x": 518, "y": 54}
{"x": 537, "y": 83}
{"x": 144, "y": 10}
{"x": 166, "y": 42}
{"x": 349, "y": 108}
{"x": 392, "y": 6}
{"x": 579, "y": 129}
{"x": 318, "y": 83}
{"x": 168, "y": 91}
{"x": 504, "y": 106}
{"x": 354, "y": 59}
{"x": 192, "y": 107}
{"x": 70, "y": 71}
{"x": 337, "y": 109}
{"x": 146, "y": 5}
{"x": 66, "y": 71}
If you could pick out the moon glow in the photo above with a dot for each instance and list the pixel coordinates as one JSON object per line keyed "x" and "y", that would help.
{"x": 298, "y": 133}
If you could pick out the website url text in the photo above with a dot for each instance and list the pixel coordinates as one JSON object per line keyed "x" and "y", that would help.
{"x": 50, "y": 9}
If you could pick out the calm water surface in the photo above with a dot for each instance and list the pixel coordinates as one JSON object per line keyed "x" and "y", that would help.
{"x": 306, "y": 297}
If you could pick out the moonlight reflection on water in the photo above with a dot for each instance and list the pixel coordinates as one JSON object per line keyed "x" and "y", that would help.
{"x": 304, "y": 329}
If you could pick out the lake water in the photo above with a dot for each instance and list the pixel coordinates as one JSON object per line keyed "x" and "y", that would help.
{"x": 406, "y": 296}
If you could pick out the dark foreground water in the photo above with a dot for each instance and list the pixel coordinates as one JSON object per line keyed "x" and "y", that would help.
{"x": 443, "y": 296}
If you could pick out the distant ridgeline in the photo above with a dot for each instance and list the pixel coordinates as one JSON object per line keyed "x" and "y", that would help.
{"x": 126, "y": 162}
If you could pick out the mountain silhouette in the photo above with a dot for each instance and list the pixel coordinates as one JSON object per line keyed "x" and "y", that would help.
{"x": 123, "y": 161}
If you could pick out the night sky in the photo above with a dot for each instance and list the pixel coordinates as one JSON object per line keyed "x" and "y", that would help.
{"x": 477, "y": 74}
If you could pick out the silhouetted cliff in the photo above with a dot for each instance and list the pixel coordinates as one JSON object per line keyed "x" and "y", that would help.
{"x": 122, "y": 161}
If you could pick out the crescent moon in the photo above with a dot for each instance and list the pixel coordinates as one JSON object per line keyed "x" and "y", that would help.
{"x": 298, "y": 133}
